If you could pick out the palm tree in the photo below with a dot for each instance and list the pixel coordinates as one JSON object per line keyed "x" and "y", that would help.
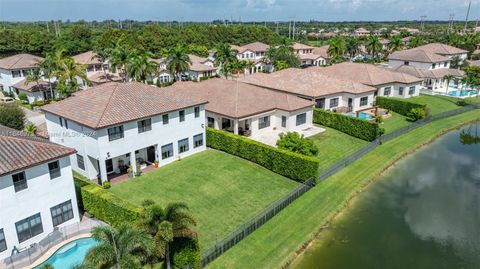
{"x": 352, "y": 47}
{"x": 448, "y": 78}
{"x": 119, "y": 60}
{"x": 119, "y": 248}
{"x": 336, "y": 48}
{"x": 30, "y": 129}
{"x": 141, "y": 67}
{"x": 67, "y": 73}
{"x": 395, "y": 44}
{"x": 166, "y": 225}
{"x": 33, "y": 76}
{"x": 47, "y": 68}
{"x": 373, "y": 45}
{"x": 224, "y": 55}
{"x": 178, "y": 61}
{"x": 417, "y": 41}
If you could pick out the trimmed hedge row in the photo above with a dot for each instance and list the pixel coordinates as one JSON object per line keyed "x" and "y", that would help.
{"x": 289, "y": 164}
{"x": 106, "y": 206}
{"x": 402, "y": 107}
{"x": 353, "y": 126}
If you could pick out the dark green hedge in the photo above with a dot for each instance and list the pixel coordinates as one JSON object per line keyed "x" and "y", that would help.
{"x": 400, "y": 106}
{"x": 106, "y": 206}
{"x": 283, "y": 162}
{"x": 353, "y": 126}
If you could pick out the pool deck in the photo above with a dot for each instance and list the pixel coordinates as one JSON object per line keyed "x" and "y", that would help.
{"x": 52, "y": 250}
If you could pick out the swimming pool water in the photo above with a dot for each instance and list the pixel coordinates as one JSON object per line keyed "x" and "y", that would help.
{"x": 70, "y": 254}
{"x": 361, "y": 115}
{"x": 463, "y": 93}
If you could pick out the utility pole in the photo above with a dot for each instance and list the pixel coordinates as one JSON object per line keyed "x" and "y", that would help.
{"x": 294, "y": 29}
{"x": 450, "y": 22}
{"x": 466, "y": 18}
{"x": 277, "y": 27}
{"x": 48, "y": 29}
{"x": 422, "y": 25}
{"x": 289, "y": 29}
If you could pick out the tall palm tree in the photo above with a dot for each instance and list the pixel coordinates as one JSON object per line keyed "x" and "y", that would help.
{"x": 224, "y": 54}
{"x": 352, "y": 47}
{"x": 47, "y": 68}
{"x": 448, "y": 78}
{"x": 119, "y": 60}
{"x": 395, "y": 44}
{"x": 33, "y": 76}
{"x": 373, "y": 45}
{"x": 178, "y": 61}
{"x": 141, "y": 67}
{"x": 119, "y": 248}
{"x": 336, "y": 48}
{"x": 67, "y": 73}
{"x": 165, "y": 225}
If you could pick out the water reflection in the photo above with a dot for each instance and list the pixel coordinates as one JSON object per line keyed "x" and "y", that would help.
{"x": 470, "y": 135}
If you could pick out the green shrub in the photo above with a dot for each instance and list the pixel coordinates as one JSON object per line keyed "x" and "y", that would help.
{"x": 400, "y": 106}
{"x": 356, "y": 127}
{"x": 23, "y": 97}
{"x": 106, "y": 185}
{"x": 280, "y": 161}
{"x": 379, "y": 119}
{"x": 108, "y": 207}
{"x": 416, "y": 114}
{"x": 295, "y": 142}
{"x": 39, "y": 103}
{"x": 186, "y": 251}
{"x": 11, "y": 115}
{"x": 8, "y": 94}
{"x": 79, "y": 183}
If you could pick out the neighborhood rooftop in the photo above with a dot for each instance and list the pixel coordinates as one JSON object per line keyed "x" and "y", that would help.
{"x": 115, "y": 103}
{"x": 430, "y": 53}
{"x": 88, "y": 58}
{"x": 20, "y": 61}
{"x": 254, "y": 47}
{"x": 33, "y": 86}
{"x": 306, "y": 82}
{"x": 429, "y": 73}
{"x": 18, "y": 150}
{"x": 239, "y": 100}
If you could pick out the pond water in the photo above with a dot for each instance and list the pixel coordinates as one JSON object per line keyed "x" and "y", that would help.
{"x": 424, "y": 213}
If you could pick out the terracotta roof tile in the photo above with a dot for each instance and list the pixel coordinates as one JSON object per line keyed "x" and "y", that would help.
{"x": 88, "y": 58}
{"x": 430, "y": 53}
{"x": 100, "y": 77}
{"x": 32, "y": 86}
{"x": 429, "y": 73}
{"x": 20, "y": 61}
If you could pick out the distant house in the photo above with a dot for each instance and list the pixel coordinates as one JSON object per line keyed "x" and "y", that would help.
{"x": 15, "y": 68}
{"x": 253, "y": 52}
{"x": 100, "y": 77}
{"x": 163, "y": 75}
{"x": 36, "y": 92}
{"x": 247, "y": 109}
{"x": 311, "y": 56}
{"x": 201, "y": 68}
{"x": 430, "y": 62}
{"x": 37, "y": 194}
{"x": 114, "y": 126}
{"x": 360, "y": 32}
{"x": 93, "y": 66}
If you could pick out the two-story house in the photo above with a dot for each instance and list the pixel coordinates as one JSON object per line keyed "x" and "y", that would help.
{"x": 37, "y": 194}
{"x": 15, "y": 68}
{"x": 116, "y": 126}
{"x": 431, "y": 63}
{"x": 253, "y": 52}
{"x": 311, "y": 56}
{"x": 97, "y": 70}
{"x": 200, "y": 68}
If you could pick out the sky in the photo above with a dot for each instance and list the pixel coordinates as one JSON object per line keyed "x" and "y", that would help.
{"x": 245, "y": 10}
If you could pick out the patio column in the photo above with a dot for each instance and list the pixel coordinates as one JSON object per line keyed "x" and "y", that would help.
{"x": 235, "y": 127}
{"x": 133, "y": 162}
{"x": 103, "y": 170}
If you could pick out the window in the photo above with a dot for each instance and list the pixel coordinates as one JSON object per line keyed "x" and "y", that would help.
{"x": 167, "y": 151}
{"x": 445, "y": 64}
{"x": 406, "y": 63}
{"x": 62, "y": 213}
{"x": 61, "y": 121}
{"x": 197, "y": 111}
{"x": 29, "y": 227}
{"x": 210, "y": 122}
{"x": 66, "y": 123}
{"x": 364, "y": 101}
{"x": 411, "y": 90}
{"x": 183, "y": 145}
{"x": 144, "y": 125}
{"x": 80, "y": 162}
{"x": 386, "y": 91}
{"x": 3, "y": 242}
{"x": 301, "y": 118}
{"x": 333, "y": 102}
{"x": 165, "y": 119}
{"x": 19, "y": 181}
{"x": 54, "y": 169}
{"x": 16, "y": 73}
{"x": 400, "y": 90}
{"x": 433, "y": 66}
{"x": 198, "y": 140}
{"x": 181, "y": 115}
{"x": 284, "y": 121}
{"x": 115, "y": 133}
{"x": 264, "y": 122}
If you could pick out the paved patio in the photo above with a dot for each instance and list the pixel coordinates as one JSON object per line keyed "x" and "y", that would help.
{"x": 271, "y": 137}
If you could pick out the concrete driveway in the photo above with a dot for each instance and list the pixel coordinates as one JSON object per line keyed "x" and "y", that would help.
{"x": 34, "y": 117}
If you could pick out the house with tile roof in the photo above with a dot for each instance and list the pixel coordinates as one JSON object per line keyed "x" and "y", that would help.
{"x": 311, "y": 56}
{"x": 430, "y": 62}
{"x": 37, "y": 194}
{"x": 255, "y": 53}
{"x": 114, "y": 126}
{"x": 43, "y": 90}
{"x": 201, "y": 68}
{"x": 15, "y": 68}
{"x": 248, "y": 110}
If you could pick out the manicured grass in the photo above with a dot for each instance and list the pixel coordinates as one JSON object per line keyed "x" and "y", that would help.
{"x": 222, "y": 190}
{"x": 394, "y": 122}
{"x": 334, "y": 145}
{"x": 436, "y": 104}
{"x": 274, "y": 243}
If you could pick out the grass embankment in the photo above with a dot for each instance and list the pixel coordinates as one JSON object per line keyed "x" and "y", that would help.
{"x": 275, "y": 243}
{"x": 436, "y": 104}
{"x": 334, "y": 145}
{"x": 222, "y": 191}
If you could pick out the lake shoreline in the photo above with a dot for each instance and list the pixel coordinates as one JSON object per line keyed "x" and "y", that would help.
{"x": 372, "y": 179}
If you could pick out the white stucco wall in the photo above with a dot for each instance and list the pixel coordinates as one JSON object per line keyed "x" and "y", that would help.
{"x": 42, "y": 194}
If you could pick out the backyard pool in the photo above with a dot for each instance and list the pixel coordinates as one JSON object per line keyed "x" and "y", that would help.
{"x": 463, "y": 93}
{"x": 361, "y": 115}
{"x": 70, "y": 254}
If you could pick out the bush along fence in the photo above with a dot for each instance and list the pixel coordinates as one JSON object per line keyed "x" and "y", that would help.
{"x": 289, "y": 164}
{"x": 356, "y": 127}
{"x": 340, "y": 165}
{"x": 402, "y": 107}
{"x": 254, "y": 223}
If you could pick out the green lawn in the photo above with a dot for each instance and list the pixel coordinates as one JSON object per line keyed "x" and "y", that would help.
{"x": 273, "y": 244}
{"x": 435, "y": 103}
{"x": 394, "y": 122}
{"x": 222, "y": 190}
{"x": 334, "y": 145}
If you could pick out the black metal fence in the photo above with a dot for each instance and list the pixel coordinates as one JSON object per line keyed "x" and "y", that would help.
{"x": 254, "y": 223}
